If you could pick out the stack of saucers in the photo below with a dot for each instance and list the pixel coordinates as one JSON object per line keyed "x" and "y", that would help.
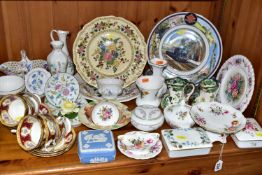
{"x": 45, "y": 136}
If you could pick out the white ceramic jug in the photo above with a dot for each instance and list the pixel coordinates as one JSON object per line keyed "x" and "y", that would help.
{"x": 62, "y": 35}
{"x": 57, "y": 59}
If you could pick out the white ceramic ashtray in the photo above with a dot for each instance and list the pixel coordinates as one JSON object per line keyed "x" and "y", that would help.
{"x": 12, "y": 109}
{"x": 105, "y": 114}
{"x": 11, "y": 84}
{"x": 30, "y": 132}
{"x": 110, "y": 88}
{"x": 147, "y": 118}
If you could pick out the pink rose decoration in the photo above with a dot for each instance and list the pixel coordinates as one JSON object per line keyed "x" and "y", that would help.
{"x": 149, "y": 141}
{"x": 65, "y": 92}
{"x": 108, "y": 56}
{"x": 58, "y": 87}
{"x": 234, "y": 85}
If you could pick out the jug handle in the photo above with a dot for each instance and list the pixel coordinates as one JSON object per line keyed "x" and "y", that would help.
{"x": 187, "y": 96}
{"x": 51, "y": 34}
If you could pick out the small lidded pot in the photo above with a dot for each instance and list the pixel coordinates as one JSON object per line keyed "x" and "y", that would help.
{"x": 208, "y": 91}
{"x": 110, "y": 88}
{"x": 147, "y": 118}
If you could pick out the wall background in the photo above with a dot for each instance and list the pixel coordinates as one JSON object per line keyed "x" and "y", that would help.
{"x": 26, "y": 25}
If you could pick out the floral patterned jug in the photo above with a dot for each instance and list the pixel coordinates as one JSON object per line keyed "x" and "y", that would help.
{"x": 178, "y": 91}
{"x": 62, "y": 35}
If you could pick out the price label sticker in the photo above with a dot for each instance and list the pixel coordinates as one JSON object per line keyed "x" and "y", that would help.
{"x": 218, "y": 165}
{"x": 259, "y": 134}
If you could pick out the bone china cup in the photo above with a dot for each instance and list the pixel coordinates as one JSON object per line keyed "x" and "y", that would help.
{"x": 110, "y": 88}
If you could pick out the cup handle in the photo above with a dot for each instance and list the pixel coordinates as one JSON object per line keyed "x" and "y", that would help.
{"x": 187, "y": 96}
{"x": 162, "y": 91}
{"x": 51, "y": 34}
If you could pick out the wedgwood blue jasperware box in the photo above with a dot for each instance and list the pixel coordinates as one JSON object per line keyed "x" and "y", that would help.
{"x": 96, "y": 146}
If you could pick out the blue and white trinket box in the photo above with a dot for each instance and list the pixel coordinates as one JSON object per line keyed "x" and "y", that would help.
{"x": 96, "y": 146}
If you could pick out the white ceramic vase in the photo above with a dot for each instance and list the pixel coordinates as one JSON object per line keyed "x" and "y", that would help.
{"x": 62, "y": 36}
{"x": 57, "y": 59}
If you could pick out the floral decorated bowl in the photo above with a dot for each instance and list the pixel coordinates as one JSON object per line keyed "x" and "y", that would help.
{"x": 110, "y": 88}
{"x": 11, "y": 84}
{"x": 217, "y": 117}
{"x": 138, "y": 142}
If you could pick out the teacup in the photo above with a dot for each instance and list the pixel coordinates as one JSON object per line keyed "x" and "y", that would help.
{"x": 110, "y": 88}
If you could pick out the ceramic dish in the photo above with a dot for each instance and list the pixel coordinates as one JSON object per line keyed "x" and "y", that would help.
{"x": 91, "y": 93}
{"x": 61, "y": 87}
{"x": 104, "y": 44}
{"x": 105, "y": 114}
{"x": 35, "y": 81}
{"x": 30, "y": 132}
{"x": 137, "y": 149}
{"x": 11, "y": 84}
{"x": 189, "y": 42}
{"x": 237, "y": 81}
{"x": 250, "y": 136}
{"x": 85, "y": 114}
{"x": 217, "y": 117}
{"x": 186, "y": 142}
{"x": 12, "y": 109}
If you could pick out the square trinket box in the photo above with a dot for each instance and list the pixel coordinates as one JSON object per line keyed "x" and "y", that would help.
{"x": 186, "y": 142}
{"x": 250, "y": 136}
{"x": 96, "y": 146}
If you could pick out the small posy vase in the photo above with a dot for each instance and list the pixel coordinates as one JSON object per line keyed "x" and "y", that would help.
{"x": 62, "y": 36}
{"x": 57, "y": 59}
{"x": 157, "y": 66}
{"x": 208, "y": 91}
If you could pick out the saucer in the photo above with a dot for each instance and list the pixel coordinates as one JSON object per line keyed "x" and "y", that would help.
{"x": 85, "y": 113}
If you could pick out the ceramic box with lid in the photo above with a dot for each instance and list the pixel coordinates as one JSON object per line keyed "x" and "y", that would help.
{"x": 186, "y": 142}
{"x": 96, "y": 146}
{"x": 250, "y": 136}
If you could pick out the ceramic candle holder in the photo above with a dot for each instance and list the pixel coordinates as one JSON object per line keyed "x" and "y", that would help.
{"x": 110, "y": 88}
{"x": 152, "y": 88}
{"x": 157, "y": 65}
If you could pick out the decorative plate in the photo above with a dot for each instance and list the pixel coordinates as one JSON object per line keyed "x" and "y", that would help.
{"x": 35, "y": 81}
{"x": 189, "y": 42}
{"x": 104, "y": 44}
{"x": 237, "y": 81}
{"x": 85, "y": 113}
{"x": 217, "y": 117}
{"x": 91, "y": 93}
{"x": 61, "y": 87}
{"x": 139, "y": 151}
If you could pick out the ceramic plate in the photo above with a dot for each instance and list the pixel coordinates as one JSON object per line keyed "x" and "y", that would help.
{"x": 217, "y": 117}
{"x": 35, "y": 81}
{"x": 85, "y": 113}
{"x": 237, "y": 81}
{"x": 104, "y": 44}
{"x": 189, "y": 42}
{"x": 61, "y": 87}
{"x": 147, "y": 153}
{"x": 91, "y": 93}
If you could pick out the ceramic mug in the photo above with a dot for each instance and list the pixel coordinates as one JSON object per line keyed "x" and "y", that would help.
{"x": 152, "y": 88}
{"x": 110, "y": 88}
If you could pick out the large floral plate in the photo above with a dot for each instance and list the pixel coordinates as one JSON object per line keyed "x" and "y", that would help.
{"x": 109, "y": 46}
{"x": 61, "y": 87}
{"x": 91, "y": 93}
{"x": 217, "y": 117}
{"x": 36, "y": 79}
{"x": 85, "y": 116}
{"x": 189, "y": 42}
{"x": 135, "y": 153}
{"x": 237, "y": 80}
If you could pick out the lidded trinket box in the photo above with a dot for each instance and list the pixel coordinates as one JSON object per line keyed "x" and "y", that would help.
{"x": 186, "y": 142}
{"x": 250, "y": 136}
{"x": 96, "y": 146}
